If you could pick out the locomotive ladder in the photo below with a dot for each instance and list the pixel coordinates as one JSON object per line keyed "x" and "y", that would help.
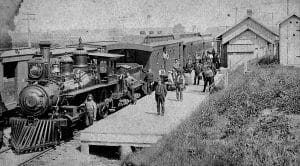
{"x": 30, "y": 137}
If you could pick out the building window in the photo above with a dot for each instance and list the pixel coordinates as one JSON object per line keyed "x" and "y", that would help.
{"x": 291, "y": 22}
{"x": 294, "y": 35}
{"x": 9, "y": 69}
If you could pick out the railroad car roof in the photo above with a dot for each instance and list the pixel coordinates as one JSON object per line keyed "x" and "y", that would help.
{"x": 168, "y": 42}
{"x": 192, "y": 39}
{"x": 105, "y": 55}
{"x": 130, "y": 46}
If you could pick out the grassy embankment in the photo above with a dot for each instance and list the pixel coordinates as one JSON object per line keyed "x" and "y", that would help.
{"x": 255, "y": 121}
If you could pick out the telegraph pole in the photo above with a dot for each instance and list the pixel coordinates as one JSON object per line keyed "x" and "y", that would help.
{"x": 122, "y": 19}
{"x": 287, "y": 7}
{"x": 28, "y": 19}
{"x": 236, "y": 11}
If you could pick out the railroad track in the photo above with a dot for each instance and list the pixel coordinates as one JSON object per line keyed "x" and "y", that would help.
{"x": 31, "y": 159}
{"x": 4, "y": 150}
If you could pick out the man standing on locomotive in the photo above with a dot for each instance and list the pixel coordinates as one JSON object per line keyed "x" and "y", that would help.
{"x": 160, "y": 94}
{"x": 130, "y": 90}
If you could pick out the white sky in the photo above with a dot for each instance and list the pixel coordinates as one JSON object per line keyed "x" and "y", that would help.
{"x": 102, "y": 14}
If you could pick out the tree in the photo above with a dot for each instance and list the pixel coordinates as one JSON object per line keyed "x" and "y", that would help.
{"x": 178, "y": 28}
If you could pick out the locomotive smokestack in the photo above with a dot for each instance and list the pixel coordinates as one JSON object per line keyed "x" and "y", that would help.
{"x": 45, "y": 51}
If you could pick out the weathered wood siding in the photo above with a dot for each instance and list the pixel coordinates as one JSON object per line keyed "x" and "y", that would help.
{"x": 289, "y": 44}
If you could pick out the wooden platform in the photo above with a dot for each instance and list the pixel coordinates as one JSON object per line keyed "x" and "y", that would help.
{"x": 139, "y": 125}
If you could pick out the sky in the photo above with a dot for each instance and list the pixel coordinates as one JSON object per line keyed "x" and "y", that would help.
{"x": 104, "y": 14}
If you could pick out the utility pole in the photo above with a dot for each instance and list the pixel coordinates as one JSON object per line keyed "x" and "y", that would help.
{"x": 122, "y": 19}
{"x": 28, "y": 19}
{"x": 236, "y": 11}
{"x": 287, "y": 7}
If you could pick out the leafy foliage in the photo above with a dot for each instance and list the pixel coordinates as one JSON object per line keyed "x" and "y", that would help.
{"x": 244, "y": 124}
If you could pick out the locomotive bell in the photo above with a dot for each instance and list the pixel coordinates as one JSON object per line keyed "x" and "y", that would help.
{"x": 66, "y": 65}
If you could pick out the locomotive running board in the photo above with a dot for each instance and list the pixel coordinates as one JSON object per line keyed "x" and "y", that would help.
{"x": 29, "y": 137}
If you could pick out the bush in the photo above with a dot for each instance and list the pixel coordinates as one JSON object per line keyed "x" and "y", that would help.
{"x": 229, "y": 128}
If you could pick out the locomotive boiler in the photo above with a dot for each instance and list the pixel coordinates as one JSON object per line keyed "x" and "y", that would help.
{"x": 52, "y": 103}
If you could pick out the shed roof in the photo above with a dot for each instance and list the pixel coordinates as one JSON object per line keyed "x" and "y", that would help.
{"x": 288, "y": 17}
{"x": 246, "y": 27}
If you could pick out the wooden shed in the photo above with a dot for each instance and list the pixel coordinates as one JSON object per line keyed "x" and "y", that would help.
{"x": 289, "y": 44}
{"x": 13, "y": 74}
{"x": 246, "y": 40}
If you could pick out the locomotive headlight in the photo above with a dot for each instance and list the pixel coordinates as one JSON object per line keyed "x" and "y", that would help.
{"x": 35, "y": 71}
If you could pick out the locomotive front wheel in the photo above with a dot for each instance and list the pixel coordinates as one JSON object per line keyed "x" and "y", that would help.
{"x": 103, "y": 112}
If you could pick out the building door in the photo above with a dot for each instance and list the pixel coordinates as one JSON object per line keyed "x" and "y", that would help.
{"x": 296, "y": 46}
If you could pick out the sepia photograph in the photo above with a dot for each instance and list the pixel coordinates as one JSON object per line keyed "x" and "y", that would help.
{"x": 150, "y": 82}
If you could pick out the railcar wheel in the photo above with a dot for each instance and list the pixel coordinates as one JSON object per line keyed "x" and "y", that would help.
{"x": 103, "y": 112}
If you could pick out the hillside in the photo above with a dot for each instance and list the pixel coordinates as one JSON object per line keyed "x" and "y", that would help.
{"x": 255, "y": 121}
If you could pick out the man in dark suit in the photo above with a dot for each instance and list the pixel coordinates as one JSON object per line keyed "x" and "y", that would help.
{"x": 160, "y": 94}
{"x": 198, "y": 70}
{"x": 149, "y": 80}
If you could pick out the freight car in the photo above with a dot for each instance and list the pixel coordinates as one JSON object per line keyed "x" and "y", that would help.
{"x": 149, "y": 55}
{"x": 52, "y": 103}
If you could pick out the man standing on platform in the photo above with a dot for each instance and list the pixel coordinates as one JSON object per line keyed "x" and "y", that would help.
{"x": 208, "y": 76}
{"x": 91, "y": 108}
{"x": 189, "y": 66}
{"x": 149, "y": 80}
{"x": 130, "y": 90}
{"x": 165, "y": 57}
{"x": 176, "y": 66}
{"x": 160, "y": 94}
{"x": 198, "y": 70}
{"x": 180, "y": 82}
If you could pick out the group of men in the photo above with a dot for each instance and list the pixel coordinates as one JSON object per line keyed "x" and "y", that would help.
{"x": 205, "y": 67}
{"x": 206, "y": 70}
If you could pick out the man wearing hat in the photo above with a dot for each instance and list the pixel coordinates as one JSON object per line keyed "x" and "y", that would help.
{"x": 180, "y": 82}
{"x": 160, "y": 94}
{"x": 91, "y": 108}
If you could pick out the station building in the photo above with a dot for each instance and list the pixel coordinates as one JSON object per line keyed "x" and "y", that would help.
{"x": 246, "y": 40}
{"x": 289, "y": 45}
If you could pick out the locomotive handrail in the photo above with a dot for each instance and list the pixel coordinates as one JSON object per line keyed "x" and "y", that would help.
{"x": 80, "y": 91}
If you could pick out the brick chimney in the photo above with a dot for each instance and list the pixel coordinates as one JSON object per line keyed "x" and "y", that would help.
{"x": 249, "y": 12}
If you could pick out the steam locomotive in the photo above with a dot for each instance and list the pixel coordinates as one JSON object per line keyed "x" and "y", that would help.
{"x": 57, "y": 86}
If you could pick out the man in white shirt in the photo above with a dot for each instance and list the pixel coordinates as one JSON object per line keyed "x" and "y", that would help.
{"x": 165, "y": 57}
